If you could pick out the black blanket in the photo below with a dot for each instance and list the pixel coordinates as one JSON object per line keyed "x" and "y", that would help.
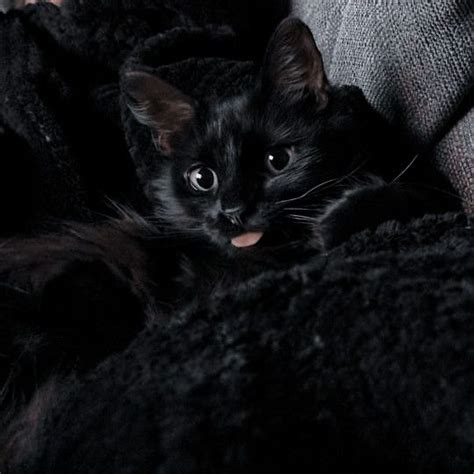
{"x": 358, "y": 359}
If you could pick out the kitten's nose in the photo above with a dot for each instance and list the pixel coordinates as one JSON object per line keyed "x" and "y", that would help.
{"x": 233, "y": 214}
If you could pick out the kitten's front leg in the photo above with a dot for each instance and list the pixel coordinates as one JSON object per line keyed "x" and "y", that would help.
{"x": 366, "y": 207}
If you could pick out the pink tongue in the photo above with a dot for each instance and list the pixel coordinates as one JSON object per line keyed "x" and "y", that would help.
{"x": 247, "y": 240}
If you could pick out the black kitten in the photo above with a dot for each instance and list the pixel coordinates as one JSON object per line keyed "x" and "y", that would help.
{"x": 294, "y": 161}
{"x": 292, "y": 164}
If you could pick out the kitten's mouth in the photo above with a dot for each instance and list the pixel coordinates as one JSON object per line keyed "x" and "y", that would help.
{"x": 248, "y": 239}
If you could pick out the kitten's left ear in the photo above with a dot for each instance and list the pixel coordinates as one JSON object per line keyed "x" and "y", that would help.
{"x": 160, "y": 106}
{"x": 293, "y": 65}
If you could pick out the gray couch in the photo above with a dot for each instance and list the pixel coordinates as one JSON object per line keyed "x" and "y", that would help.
{"x": 415, "y": 62}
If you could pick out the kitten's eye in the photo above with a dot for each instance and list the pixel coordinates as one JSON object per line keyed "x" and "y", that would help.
{"x": 202, "y": 179}
{"x": 277, "y": 159}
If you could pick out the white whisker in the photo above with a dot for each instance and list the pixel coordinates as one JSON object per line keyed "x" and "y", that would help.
{"x": 332, "y": 181}
{"x": 412, "y": 162}
{"x": 302, "y": 196}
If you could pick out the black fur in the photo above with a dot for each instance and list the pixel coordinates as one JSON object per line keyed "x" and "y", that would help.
{"x": 66, "y": 302}
{"x": 343, "y": 156}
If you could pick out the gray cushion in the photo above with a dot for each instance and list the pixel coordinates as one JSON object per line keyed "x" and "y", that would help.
{"x": 414, "y": 60}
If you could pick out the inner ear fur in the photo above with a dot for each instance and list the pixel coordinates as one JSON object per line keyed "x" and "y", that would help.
{"x": 163, "y": 108}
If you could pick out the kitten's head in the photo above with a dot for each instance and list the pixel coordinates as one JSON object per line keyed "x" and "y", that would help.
{"x": 255, "y": 170}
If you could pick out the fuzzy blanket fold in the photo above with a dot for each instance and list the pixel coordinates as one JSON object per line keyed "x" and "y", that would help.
{"x": 360, "y": 359}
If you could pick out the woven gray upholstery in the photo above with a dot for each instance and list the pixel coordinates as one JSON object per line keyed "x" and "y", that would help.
{"x": 414, "y": 60}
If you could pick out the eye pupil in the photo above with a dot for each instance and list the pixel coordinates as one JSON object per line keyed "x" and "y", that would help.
{"x": 278, "y": 159}
{"x": 205, "y": 178}
{"x": 202, "y": 179}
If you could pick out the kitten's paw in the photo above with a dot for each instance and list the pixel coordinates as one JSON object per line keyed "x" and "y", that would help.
{"x": 357, "y": 209}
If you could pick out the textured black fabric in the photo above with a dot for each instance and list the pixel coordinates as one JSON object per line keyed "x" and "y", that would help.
{"x": 360, "y": 359}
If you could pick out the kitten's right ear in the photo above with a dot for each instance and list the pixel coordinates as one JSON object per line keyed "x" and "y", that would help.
{"x": 160, "y": 106}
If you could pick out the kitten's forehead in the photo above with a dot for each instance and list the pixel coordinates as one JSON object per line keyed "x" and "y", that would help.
{"x": 232, "y": 114}
{"x": 248, "y": 116}
{"x": 228, "y": 122}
